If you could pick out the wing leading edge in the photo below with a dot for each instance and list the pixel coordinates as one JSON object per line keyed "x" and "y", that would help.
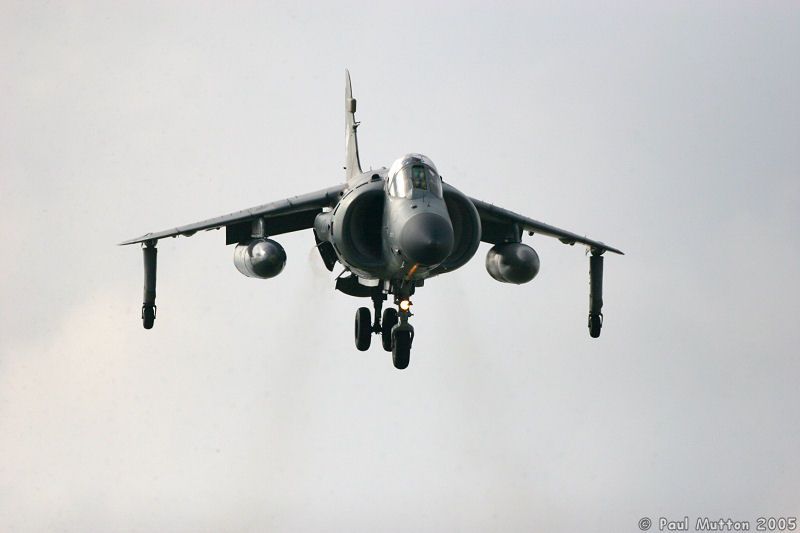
{"x": 498, "y": 224}
{"x": 291, "y": 214}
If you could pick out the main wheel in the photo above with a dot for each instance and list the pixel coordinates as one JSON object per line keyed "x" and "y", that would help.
{"x": 387, "y": 323}
{"x": 363, "y": 329}
{"x": 401, "y": 349}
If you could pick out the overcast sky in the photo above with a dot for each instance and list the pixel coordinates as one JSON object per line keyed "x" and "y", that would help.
{"x": 670, "y": 130}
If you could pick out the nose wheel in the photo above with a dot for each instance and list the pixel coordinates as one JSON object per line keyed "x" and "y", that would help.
{"x": 148, "y": 315}
{"x": 401, "y": 345}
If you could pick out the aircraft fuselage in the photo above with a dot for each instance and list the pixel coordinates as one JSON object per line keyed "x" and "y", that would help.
{"x": 383, "y": 233}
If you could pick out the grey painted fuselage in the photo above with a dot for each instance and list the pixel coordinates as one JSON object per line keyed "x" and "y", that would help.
{"x": 416, "y": 233}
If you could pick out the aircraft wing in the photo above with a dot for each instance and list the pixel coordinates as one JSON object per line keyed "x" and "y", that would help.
{"x": 292, "y": 214}
{"x": 501, "y": 225}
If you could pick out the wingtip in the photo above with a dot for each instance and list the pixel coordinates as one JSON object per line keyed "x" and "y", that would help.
{"x": 602, "y": 247}
{"x": 137, "y": 240}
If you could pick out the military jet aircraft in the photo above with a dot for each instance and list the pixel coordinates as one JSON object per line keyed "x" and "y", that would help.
{"x": 391, "y": 229}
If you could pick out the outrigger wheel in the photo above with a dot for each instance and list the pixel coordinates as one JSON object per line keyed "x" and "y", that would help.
{"x": 387, "y": 323}
{"x": 148, "y": 316}
{"x": 363, "y": 329}
{"x": 595, "y": 324}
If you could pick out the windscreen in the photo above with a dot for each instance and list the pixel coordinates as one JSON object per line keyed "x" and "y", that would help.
{"x": 415, "y": 177}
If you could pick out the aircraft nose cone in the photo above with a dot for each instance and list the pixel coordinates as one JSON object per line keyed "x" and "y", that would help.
{"x": 427, "y": 238}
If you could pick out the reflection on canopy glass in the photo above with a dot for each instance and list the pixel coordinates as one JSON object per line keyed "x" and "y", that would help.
{"x": 416, "y": 176}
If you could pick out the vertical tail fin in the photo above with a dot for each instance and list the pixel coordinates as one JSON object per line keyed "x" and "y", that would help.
{"x": 352, "y": 164}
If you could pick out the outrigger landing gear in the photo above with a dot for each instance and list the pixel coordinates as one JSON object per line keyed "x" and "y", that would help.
{"x": 595, "y": 292}
{"x": 149, "y": 253}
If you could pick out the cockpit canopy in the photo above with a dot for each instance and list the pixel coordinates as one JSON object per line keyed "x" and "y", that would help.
{"x": 413, "y": 172}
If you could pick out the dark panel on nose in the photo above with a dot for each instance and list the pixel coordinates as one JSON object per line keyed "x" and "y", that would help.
{"x": 427, "y": 238}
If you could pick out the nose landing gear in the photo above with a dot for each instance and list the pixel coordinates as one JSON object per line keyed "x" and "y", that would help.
{"x": 395, "y": 331}
{"x": 401, "y": 336}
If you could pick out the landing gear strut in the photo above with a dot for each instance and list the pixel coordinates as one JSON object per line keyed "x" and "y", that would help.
{"x": 149, "y": 253}
{"x": 364, "y": 327}
{"x": 595, "y": 293}
{"x": 377, "y": 304}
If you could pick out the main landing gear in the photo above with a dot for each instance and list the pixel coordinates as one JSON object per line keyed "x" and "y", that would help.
{"x": 395, "y": 331}
{"x": 388, "y": 321}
